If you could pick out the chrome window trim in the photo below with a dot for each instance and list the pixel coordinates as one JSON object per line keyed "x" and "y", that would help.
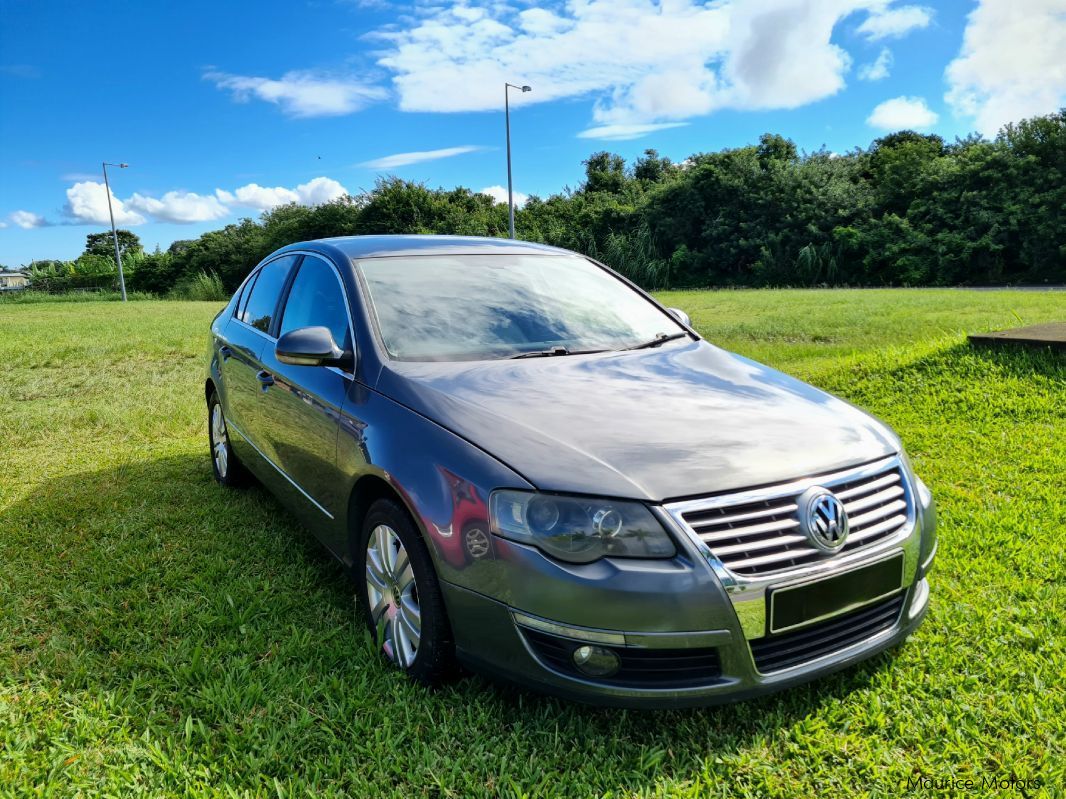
{"x": 748, "y": 593}
{"x": 280, "y": 471}
{"x": 267, "y": 336}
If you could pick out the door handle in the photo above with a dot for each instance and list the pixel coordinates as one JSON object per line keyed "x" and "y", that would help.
{"x": 265, "y": 378}
{"x": 225, "y": 352}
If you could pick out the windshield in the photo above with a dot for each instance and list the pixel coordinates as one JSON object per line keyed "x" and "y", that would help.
{"x": 476, "y": 307}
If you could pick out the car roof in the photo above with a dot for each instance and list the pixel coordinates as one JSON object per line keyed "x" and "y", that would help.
{"x": 355, "y": 247}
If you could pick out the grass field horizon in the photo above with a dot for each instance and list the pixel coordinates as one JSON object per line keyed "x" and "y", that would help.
{"x": 162, "y": 636}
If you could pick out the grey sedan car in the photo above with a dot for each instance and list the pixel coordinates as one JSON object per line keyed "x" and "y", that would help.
{"x": 532, "y": 468}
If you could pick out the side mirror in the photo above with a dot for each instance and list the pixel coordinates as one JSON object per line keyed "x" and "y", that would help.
{"x": 680, "y": 316}
{"x": 308, "y": 346}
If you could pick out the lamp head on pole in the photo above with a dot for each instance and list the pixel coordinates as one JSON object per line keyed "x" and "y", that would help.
{"x": 123, "y": 166}
{"x": 527, "y": 88}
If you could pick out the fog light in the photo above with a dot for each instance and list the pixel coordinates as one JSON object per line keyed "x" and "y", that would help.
{"x": 596, "y": 661}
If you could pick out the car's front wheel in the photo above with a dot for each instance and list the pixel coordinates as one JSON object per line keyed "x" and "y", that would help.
{"x": 401, "y": 599}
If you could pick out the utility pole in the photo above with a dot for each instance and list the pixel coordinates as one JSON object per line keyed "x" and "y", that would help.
{"x": 114, "y": 233}
{"x": 507, "y": 116}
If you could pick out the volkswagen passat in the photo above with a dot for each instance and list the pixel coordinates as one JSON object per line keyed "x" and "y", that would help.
{"x": 533, "y": 468}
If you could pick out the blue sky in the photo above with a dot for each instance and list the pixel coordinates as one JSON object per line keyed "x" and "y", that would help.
{"x": 225, "y": 109}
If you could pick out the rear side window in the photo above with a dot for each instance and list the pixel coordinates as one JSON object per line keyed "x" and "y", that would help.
{"x": 262, "y": 303}
{"x": 316, "y": 299}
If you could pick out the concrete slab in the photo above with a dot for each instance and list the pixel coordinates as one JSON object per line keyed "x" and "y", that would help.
{"x": 1052, "y": 334}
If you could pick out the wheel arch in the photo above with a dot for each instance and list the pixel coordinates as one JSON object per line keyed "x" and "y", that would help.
{"x": 367, "y": 490}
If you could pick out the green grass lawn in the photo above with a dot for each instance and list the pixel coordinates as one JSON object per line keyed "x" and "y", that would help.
{"x": 162, "y": 636}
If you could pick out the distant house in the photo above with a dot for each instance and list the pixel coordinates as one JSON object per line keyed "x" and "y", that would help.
{"x": 13, "y": 281}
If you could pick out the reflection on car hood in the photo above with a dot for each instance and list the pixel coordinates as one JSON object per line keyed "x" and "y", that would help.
{"x": 680, "y": 420}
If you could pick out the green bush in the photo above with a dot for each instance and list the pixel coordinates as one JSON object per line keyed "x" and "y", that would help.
{"x": 204, "y": 286}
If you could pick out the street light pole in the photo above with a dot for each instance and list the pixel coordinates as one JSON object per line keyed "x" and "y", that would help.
{"x": 114, "y": 233}
{"x": 507, "y": 116}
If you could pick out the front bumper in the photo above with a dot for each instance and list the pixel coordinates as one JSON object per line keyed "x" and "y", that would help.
{"x": 513, "y": 658}
{"x": 684, "y": 638}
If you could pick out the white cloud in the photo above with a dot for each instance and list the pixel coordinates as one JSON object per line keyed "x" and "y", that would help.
{"x": 314, "y": 192}
{"x": 539, "y": 21}
{"x": 87, "y": 204}
{"x": 181, "y": 207}
{"x": 320, "y": 190}
{"x": 624, "y": 131}
{"x": 262, "y": 197}
{"x": 406, "y": 159}
{"x": 901, "y": 113}
{"x": 3, "y": 224}
{"x": 302, "y": 94}
{"x": 878, "y": 69}
{"x": 885, "y": 22}
{"x": 27, "y": 219}
{"x": 1011, "y": 64}
{"x": 646, "y": 62}
{"x": 782, "y": 56}
{"x": 499, "y": 194}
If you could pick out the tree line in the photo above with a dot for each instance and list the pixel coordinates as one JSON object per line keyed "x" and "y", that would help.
{"x": 909, "y": 210}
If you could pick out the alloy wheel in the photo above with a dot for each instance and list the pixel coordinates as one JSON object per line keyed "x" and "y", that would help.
{"x": 219, "y": 440}
{"x": 393, "y": 596}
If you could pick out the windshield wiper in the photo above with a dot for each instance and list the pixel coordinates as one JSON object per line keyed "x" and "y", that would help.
{"x": 660, "y": 338}
{"x": 554, "y": 351}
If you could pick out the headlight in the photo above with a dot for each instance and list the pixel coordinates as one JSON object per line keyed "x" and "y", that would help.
{"x": 579, "y": 529}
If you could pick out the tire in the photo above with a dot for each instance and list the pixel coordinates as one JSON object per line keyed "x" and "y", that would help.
{"x": 228, "y": 470}
{"x": 392, "y": 562}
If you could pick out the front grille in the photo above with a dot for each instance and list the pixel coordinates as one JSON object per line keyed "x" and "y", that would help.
{"x": 764, "y": 536}
{"x": 641, "y": 668}
{"x": 784, "y": 650}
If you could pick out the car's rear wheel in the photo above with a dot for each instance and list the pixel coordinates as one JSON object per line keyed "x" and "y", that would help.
{"x": 400, "y": 596}
{"x": 228, "y": 470}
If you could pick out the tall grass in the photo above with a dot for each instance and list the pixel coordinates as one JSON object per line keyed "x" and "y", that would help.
{"x": 28, "y": 296}
{"x": 204, "y": 286}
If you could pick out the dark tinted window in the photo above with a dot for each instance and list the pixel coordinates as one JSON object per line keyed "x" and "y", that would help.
{"x": 242, "y": 296}
{"x": 259, "y": 310}
{"x": 317, "y": 299}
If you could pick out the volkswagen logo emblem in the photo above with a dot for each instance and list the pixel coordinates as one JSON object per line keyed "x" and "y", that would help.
{"x": 824, "y": 519}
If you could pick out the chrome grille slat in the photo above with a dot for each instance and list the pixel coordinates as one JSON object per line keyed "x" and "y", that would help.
{"x": 755, "y": 546}
{"x": 870, "y": 500}
{"x": 758, "y": 531}
{"x": 788, "y": 558}
{"x": 777, "y": 525}
{"x": 848, "y": 493}
{"x": 788, "y": 507}
{"x": 891, "y": 523}
{"x": 858, "y": 522}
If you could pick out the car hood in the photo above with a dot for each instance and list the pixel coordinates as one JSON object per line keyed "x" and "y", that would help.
{"x": 673, "y": 421}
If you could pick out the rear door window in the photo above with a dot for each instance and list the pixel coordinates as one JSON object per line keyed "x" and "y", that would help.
{"x": 262, "y": 304}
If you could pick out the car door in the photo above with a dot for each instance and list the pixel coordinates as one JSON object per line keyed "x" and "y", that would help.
{"x": 249, "y": 334}
{"x": 301, "y": 407}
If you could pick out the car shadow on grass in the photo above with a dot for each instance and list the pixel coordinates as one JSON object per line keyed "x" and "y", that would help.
{"x": 1017, "y": 360}
{"x": 209, "y": 621}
